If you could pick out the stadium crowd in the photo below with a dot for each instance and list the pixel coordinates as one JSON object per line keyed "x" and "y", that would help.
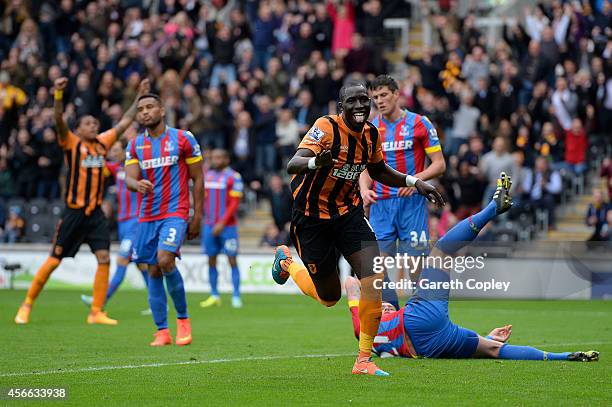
{"x": 252, "y": 76}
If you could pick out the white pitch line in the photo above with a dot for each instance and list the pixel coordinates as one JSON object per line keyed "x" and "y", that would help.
{"x": 193, "y": 362}
{"x": 215, "y": 361}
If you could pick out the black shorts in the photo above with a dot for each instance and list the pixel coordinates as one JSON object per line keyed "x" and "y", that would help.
{"x": 75, "y": 228}
{"x": 320, "y": 241}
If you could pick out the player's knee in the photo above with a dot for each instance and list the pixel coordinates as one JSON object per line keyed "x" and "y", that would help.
{"x": 232, "y": 261}
{"x": 165, "y": 263}
{"x": 103, "y": 257}
{"x": 154, "y": 271}
{"x": 329, "y": 300}
{"x": 212, "y": 261}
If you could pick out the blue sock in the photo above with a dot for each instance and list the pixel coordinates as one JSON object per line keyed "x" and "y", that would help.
{"x": 176, "y": 289}
{"x": 465, "y": 231}
{"x": 236, "y": 280}
{"x": 116, "y": 281}
{"x": 145, "y": 277}
{"x": 213, "y": 276}
{"x": 158, "y": 302}
{"x": 389, "y": 294}
{"x": 513, "y": 352}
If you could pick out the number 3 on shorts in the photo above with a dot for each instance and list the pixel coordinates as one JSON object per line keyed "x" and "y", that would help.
{"x": 171, "y": 235}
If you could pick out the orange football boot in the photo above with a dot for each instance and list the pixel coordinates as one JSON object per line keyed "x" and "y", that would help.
{"x": 366, "y": 366}
{"x": 100, "y": 318}
{"x": 23, "y": 314}
{"x": 162, "y": 338}
{"x": 183, "y": 334}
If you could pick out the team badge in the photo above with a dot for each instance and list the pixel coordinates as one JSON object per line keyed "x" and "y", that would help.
{"x": 316, "y": 134}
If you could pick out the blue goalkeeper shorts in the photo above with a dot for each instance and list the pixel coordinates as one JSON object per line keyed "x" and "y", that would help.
{"x": 403, "y": 219}
{"x": 428, "y": 324}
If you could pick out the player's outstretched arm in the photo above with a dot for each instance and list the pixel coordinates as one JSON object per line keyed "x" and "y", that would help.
{"x": 195, "y": 173}
{"x": 384, "y": 174}
{"x": 306, "y": 160}
{"x": 130, "y": 114}
{"x": 58, "y": 108}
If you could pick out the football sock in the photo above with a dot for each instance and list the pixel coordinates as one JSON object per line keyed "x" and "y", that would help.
{"x": 370, "y": 310}
{"x": 145, "y": 277}
{"x": 354, "y": 308}
{"x": 100, "y": 287}
{"x": 158, "y": 302}
{"x": 389, "y": 294}
{"x": 176, "y": 289}
{"x": 513, "y": 352}
{"x": 41, "y": 277}
{"x": 302, "y": 279}
{"x": 236, "y": 280}
{"x": 213, "y": 276}
{"x": 465, "y": 231}
{"x": 116, "y": 280}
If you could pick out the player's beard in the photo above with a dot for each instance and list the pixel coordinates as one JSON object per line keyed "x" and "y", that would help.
{"x": 153, "y": 126}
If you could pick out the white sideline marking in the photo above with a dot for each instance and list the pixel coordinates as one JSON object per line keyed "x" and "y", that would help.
{"x": 245, "y": 359}
{"x": 194, "y": 362}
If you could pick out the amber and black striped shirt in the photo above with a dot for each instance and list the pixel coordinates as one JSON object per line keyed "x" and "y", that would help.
{"x": 86, "y": 163}
{"x": 330, "y": 192}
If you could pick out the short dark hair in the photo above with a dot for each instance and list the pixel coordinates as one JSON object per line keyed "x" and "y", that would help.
{"x": 150, "y": 95}
{"x": 350, "y": 84}
{"x": 81, "y": 118}
{"x": 384, "y": 80}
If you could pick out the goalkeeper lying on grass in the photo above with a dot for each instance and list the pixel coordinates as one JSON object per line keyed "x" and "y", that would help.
{"x": 422, "y": 328}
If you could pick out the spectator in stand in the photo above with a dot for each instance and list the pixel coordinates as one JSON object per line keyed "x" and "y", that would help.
{"x": 280, "y": 201}
{"x": 342, "y": 14}
{"x": 606, "y": 174}
{"x": 263, "y": 39}
{"x": 597, "y": 217}
{"x": 564, "y": 103}
{"x": 12, "y": 98}
{"x": 475, "y": 67}
{"x": 23, "y": 160}
{"x": 576, "y": 145}
{"x": 464, "y": 123}
{"x": 243, "y": 146}
{"x": 305, "y": 112}
{"x": 543, "y": 185}
{"x": 7, "y": 188}
{"x": 494, "y": 162}
{"x": 224, "y": 70}
{"x": 14, "y": 226}
{"x": 50, "y": 159}
{"x": 265, "y": 137}
{"x": 288, "y": 133}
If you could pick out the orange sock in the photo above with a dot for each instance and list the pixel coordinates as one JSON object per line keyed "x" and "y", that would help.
{"x": 100, "y": 287}
{"x": 302, "y": 279}
{"x": 40, "y": 279}
{"x": 370, "y": 311}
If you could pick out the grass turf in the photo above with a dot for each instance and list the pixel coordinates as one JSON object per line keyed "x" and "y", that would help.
{"x": 270, "y": 331}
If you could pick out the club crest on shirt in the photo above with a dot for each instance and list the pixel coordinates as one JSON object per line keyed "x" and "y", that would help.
{"x": 316, "y": 133}
{"x": 404, "y": 131}
{"x": 169, "y": 147}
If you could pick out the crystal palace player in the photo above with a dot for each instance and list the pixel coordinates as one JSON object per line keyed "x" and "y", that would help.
{"x": 328, "y": 212}
{"x": 159, "y": 164}
{"x": 406, "y": 137}
{"x": 128, "y": 203}
{"x": 423, "y": 327}
{"x": 223, "y": 189}
{"x": 82, "y": 220}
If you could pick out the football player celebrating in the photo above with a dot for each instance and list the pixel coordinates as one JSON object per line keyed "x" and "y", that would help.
{"x": 328, "y": 212}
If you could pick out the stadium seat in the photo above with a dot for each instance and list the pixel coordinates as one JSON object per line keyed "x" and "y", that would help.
{"x": 37, "y": 206}
{"x": 39, "y": 229}
{"x": 56, "y": 207}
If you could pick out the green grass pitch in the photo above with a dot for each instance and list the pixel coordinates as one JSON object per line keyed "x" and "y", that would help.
{"x": 288, "y": 350}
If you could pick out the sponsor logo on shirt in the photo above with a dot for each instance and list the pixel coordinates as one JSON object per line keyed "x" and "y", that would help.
{"x": 397, "y": 145}
{"x": 349, "y": 172}
{"x": 92, "y": 161}
{"x": 159, "y": 162}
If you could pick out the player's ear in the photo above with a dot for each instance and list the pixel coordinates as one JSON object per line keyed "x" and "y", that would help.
{"x": 163, "y": 112}
{"x": 339, "y": 106}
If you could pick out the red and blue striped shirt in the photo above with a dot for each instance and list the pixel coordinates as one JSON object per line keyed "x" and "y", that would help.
{"x": 164, "y": 162}
{"x": 219, "y": 188}
{"x": 405, "y": 143}
{"x": 128, "y": 202}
